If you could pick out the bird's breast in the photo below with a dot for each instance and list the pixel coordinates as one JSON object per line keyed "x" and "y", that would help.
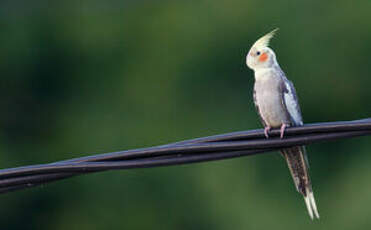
{"x": 269, "y": 100}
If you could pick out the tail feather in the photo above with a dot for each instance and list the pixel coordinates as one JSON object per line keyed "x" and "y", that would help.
{"x": 311, "y": 204}
{"x": 309, "y": 207}
{"x": 298, "y": 165}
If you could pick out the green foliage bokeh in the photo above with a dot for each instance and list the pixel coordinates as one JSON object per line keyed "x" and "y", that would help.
{"x": 86, "y": 77}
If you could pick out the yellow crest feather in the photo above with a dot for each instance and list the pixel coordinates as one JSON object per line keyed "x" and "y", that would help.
{"x": 264, "y": 41}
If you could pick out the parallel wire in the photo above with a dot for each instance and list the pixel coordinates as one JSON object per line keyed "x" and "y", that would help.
{"x": 210, "y": 148}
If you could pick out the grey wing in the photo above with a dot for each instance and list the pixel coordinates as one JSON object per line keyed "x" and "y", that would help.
{"x": 258, "y": 111}
{"x": 290, "y": 102}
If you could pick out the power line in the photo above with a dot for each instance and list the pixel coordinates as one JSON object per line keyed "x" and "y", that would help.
{"x": 203, "y": 149}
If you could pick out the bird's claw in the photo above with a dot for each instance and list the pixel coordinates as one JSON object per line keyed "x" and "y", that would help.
{"x": 266, "y": 130}
{"x": 282, "y": 130}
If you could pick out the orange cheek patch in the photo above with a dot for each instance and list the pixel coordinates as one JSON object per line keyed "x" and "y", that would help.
{"x": 263, "y": 57}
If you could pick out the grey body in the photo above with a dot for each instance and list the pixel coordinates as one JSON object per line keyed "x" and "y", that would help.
{"x": 268, "y": 99}
{"x": 276, "y": 103}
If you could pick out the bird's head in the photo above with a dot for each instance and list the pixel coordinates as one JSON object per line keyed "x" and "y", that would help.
{"x": 260, "y": 55}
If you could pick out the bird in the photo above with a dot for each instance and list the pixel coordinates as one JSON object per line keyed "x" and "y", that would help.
{"x": 277, "y": 104}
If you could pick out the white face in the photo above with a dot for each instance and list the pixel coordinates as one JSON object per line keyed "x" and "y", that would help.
{"x": 260, "y": 58}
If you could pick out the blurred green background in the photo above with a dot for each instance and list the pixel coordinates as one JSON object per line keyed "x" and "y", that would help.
{"x": 87, "y": 77}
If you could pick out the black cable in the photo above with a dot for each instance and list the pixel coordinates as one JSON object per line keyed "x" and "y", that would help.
{"x": 217, "y": 147}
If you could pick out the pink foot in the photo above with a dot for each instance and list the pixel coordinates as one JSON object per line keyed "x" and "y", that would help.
{"x": 266, "y": 130}
{"x": 282, "y": 131}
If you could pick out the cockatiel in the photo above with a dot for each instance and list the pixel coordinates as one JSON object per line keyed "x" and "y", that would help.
{"x": 277, "y": 105}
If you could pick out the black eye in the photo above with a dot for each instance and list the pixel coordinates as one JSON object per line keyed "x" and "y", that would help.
{"x": 258, "y": 53}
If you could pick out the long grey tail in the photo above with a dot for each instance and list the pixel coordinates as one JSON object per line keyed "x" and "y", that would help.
{"x": 298, "y": 164}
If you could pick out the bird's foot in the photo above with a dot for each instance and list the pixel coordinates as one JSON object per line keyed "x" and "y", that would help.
{"x": 282, "y": 130}
{"x": 266, "y": 130}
